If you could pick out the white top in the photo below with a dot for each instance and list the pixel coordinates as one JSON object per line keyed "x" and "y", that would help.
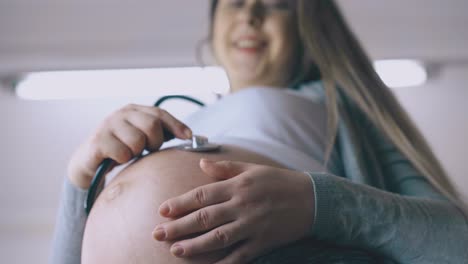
{"x": 285, "y": 125}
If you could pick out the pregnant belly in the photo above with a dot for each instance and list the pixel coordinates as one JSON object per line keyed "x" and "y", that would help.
{"x": 119, "y": 227}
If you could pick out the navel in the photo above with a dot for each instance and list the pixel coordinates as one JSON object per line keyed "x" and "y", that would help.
{"x": 114, "y": 191}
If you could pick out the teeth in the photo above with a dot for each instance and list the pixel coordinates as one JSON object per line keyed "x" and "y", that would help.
{"x": 248, "y": 44}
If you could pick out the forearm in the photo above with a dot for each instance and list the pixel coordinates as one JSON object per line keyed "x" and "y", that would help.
{"x": 69, "y": 228}
{"x": 407, "y": 230}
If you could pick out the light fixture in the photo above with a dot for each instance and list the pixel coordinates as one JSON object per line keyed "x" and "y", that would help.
{"x": 160, "y": 81}
{"x": 122, "y": 83}
{"x": 401, "y": 73}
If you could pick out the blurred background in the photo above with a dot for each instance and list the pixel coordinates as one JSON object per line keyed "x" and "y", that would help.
{"x": 41, "y": 126}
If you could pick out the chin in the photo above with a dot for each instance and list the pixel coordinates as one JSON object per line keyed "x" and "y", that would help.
{"x": 241, "y": 80}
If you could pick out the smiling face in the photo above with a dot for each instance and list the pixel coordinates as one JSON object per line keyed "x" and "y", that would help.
{"x": 256, "y": 41}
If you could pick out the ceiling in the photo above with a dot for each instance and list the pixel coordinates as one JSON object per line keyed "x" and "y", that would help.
{"x": 52, "y": 34}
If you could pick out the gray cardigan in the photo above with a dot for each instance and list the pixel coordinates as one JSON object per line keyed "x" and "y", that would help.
{"x": 395, "y": 213}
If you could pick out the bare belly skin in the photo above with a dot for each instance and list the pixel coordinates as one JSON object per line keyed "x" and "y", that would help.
{"x": 119, "y": 227}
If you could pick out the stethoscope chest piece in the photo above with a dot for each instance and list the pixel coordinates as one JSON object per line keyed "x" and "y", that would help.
{"x": 199, "y": 144}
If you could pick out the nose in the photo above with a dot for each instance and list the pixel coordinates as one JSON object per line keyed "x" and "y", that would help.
{"x": 252, "y": 14}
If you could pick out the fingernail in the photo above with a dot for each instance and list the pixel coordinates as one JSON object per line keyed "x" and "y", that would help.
{"x": 188, "y": 133}
{"x": 207, "y": 161}
{"x": 164, "y": 210}
{"x": 177, "y": 250}
{"x": 159, "y": 234}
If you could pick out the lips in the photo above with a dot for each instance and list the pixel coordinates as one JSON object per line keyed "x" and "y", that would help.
{"x": 249, "y": 44}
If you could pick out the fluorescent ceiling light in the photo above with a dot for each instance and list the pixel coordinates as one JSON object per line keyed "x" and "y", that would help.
{"x": 157, "y": 82}
{"x": 122, "y": 83}
{"x": 401, "y": 73}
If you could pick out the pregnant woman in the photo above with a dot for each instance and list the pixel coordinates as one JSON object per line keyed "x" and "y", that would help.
{"x": 319, "y": 163}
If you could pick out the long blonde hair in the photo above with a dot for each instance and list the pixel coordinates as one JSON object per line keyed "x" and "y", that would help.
{"x": 346, "y": 68}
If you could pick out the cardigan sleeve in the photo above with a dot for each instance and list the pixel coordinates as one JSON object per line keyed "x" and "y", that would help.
{"x": 402, "y": 228}
{"x": 70, "y": 225}
{"x": 410, "y": 223}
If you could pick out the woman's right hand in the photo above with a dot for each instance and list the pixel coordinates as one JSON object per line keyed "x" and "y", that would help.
{"x": 121, "y": 137}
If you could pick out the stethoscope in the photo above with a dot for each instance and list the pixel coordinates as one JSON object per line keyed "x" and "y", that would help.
{"x": 197, "y": 144}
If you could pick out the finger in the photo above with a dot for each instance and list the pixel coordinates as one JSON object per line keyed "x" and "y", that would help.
{"x": 199, "y": 221}
{"x": 224, "y": 169}
{"x": 151, "y": 128}
{"x": 218, "y": 238}
{"x": 115, "y": 149}
{"x": 243, "y": 254}
{"x": 195, "y": 199}
{"x": 130, "y": 136}
{"x": 176, "y": 127}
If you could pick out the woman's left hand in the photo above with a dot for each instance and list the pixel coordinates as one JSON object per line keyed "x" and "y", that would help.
{"x": 254, "y": 208}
